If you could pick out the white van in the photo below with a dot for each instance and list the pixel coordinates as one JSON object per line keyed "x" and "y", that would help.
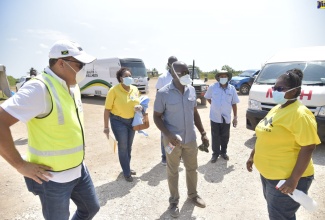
{"x": 101, "y": 75}
{"x": 311, "y": 60}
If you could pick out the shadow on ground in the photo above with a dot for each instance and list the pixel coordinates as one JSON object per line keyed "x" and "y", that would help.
{"x": 115, "y": 189}
{"x": 215, "y": 172}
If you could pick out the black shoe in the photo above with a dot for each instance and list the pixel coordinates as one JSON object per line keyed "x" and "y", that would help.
{"x": 214, "y": 158}
{"x": 225, "y": 156}
{"x": 128, "y": 178}
{"x": 132, "y": 172}
{"x": 173, "y": 210}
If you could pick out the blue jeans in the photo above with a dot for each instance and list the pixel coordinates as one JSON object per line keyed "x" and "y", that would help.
{"x": 124, "y": 134}
{"x": 220, "y": 133}
{"x": 281, "y": 206}
{"x": 55, "y": 197}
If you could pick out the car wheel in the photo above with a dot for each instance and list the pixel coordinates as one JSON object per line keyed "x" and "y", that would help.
{"x": 244, "y": 89}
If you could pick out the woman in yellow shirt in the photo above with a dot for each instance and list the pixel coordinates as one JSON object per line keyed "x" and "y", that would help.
{"x": 286, "y": 139}
{"x": 121, "y": 102}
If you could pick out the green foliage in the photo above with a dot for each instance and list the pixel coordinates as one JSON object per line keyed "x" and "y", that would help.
{"x": 12, "y": 81}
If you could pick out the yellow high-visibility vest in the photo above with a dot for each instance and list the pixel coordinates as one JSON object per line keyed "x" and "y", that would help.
{"x": 57, "y": 140}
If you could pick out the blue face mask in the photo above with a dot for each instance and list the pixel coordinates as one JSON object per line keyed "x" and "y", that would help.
{"x": 278, "y": 97}
{"x": 127, "y": 81}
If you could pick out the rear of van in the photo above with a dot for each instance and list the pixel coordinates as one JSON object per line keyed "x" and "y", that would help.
{"x": 311, "y": 60}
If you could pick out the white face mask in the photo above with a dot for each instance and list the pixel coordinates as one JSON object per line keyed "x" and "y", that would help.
{"x": 127, "y": 81}
{"x": 223, "y": 81}
{"x": 185, "y": 80}
{"x": 278, "y": 97}
{"x": 80, "y": 75}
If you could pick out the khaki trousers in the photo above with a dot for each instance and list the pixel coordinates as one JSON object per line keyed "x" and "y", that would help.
{"x": 188, "y": 152}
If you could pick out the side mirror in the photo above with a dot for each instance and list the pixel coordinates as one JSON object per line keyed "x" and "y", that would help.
{"x": 148, "y": 78}
{"x": 205, "y": 79}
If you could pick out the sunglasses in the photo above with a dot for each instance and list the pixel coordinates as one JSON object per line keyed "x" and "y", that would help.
{"x": 279, "y": 88}
{"x": 81, "y": 65}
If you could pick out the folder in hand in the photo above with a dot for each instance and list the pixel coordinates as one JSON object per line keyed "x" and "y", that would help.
{"x": 112, "y": 141}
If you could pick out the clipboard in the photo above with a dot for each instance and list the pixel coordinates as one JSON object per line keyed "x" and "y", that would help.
{"x": 112, "y": 141}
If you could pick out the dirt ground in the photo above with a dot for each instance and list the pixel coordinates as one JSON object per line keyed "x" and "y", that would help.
{"x": 228, "y": 189}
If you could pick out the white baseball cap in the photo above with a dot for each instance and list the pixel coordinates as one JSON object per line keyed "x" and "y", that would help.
{"x": 67, "y": 48}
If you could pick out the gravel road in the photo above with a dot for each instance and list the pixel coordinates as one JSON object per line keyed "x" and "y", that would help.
{"x": 228, "y": 189}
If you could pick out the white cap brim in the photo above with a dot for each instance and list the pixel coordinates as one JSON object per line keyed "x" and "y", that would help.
{"x": 85, "y": 58}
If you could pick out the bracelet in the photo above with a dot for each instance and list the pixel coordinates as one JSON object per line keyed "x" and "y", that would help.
{"x": 105, "y": 129}
{"x": 203, "y": 133}
{"x": 235, "y": 117}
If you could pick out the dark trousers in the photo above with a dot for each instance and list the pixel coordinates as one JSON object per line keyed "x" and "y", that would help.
{"x": 220, "y": 137}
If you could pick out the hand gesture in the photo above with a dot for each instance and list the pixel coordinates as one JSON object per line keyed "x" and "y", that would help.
{"x": 37, "y": 172}
{"x": 106, "y": 131}
{"x": 249, "y": 164}
{"x": 138, "y": 108}
{"x": 234, "y": 122}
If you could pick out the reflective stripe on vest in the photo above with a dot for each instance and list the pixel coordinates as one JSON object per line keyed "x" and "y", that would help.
{"x": 56, "y": 140}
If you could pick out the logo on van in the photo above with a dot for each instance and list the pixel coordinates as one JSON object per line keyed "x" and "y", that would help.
{"x": 321, "y": 4}
{"x": 302, "y": 94}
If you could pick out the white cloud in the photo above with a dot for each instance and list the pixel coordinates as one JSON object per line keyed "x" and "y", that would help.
{"x": 13, "y": 39}
{"x": 47, "y": 34}
{"x": 87, "y": 25}
{"x": 44, "y": 46}
{"x": 103, "y": 48}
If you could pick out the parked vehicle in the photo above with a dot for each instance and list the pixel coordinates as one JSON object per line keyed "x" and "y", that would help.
{"x": 311, "y": 60}
{"x": 101, "y": 75}
{"x": 200, "y": 86}
{"x": 243, "y": 80}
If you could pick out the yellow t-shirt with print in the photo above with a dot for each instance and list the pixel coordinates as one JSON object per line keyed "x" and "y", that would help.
{"x": 121, "y": 102}
{"x": 280, "y": 136}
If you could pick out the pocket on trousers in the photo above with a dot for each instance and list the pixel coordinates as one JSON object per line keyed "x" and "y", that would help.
{"x": 33, "y": 186}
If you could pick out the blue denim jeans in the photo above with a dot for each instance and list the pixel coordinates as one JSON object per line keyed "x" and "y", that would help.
{"x": 281, "y": 206}
{"x": 124, "y": 134}
{"x": 55, "y": 197}
{"x": 220, "y": 133}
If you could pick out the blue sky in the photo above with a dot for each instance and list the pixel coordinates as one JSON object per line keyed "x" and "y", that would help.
{"x": 241, "y": 34}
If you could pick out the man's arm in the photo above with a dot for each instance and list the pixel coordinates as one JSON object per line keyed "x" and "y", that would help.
{"x": 157, "y": 118}
{"x": 234, "y": 109}
{"x": 9, "y": 152}
{"x": 199, "y": 126}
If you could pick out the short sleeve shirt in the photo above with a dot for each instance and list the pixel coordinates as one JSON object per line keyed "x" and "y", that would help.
{"x": 121, "y": 102}
{"x": 163, "y": 80}
{"x": 280, "y": 136}
{"x": 178, "y": 110}
{"x": 222, "y": 100}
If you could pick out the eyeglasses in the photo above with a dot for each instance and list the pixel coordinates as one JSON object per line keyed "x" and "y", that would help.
{"x": 279, "y": 88}
{"x": 81, "y": 65}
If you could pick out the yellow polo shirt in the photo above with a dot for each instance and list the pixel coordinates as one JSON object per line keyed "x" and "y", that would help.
{"x": 121, "y": 102}
{"x": 280, "y": 136}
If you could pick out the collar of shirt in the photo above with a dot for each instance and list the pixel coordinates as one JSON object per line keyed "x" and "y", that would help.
{"x": 172, "y": 86}
{"x": 227, "y": 87}
{"x": 61, "y": 81}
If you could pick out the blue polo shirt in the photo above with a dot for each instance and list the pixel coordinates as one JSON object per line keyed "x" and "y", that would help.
{"x": 222, "y": 100}
{"x": 178, "y": 110}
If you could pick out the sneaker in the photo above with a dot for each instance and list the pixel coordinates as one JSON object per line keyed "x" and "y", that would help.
{"x": 214, "y": 158}
{"x": 133, "y": 172}
{"x": 198, "y": 201}
{"x": 128, "y": 178}
{"x": 225, "y": 156}
{"x": 173, "y": 210}
{"x": 163, "y": 161}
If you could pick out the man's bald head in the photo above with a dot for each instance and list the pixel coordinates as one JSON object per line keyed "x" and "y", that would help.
{"x": 171, "y": 60}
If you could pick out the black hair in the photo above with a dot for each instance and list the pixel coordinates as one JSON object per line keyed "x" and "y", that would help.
{"x": 293, "y": 78}
{"x": 120, "y": 73}
{"x": 52, "y": 62}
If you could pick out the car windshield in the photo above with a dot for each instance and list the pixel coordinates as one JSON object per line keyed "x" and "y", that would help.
{"x": 196, "y": 74}
{"x": 247, "y": 73}
{"x": 313, "y": 72}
